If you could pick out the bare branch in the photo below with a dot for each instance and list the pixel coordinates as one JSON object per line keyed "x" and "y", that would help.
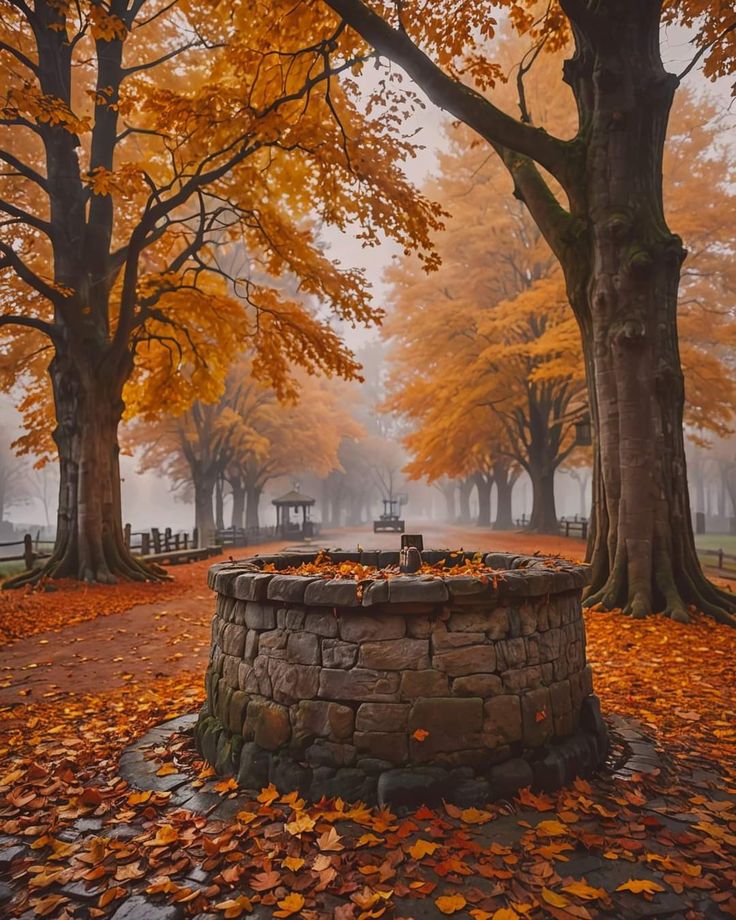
{"x": 30, "y": 322}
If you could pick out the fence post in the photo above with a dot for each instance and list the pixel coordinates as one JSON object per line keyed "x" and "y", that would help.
{"x": 28, "y": 551}
{"x": 720, "y": 558}
{"x": 126, "y": 535}
{"x": 145, "y": 543}
{"x": 585, "y": 530}
{"x": 567, "y": 528}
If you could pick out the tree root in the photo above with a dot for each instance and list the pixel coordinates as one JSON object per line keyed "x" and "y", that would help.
{"x": 125, "y": 567}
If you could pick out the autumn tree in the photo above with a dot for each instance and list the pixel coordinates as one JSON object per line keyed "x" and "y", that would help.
{"x": 248, "y": 437}
{"x": 139, "y": 139}
{"x": 597, "y": 197}
{"x": 487, "y": 359}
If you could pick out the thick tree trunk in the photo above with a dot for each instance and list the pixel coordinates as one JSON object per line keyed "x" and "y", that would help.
{"x": 253, "y": 500}
{"x": 544, "y": 512}
{"x": 219, "y": 504}
{"x": 484, "y": 484}
{"x": 204, "y": 518}
{"x": 465, "y": 487}
{"x": 89, "y": 538}
{"x": 238, "y": 511}
{"x": 504, "y": 490}
{"x": 643, "y": 551}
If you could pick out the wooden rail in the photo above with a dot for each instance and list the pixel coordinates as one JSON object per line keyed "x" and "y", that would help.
{"x": 31, "y": 551}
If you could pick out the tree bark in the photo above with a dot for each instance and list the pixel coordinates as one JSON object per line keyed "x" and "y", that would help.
{"x": 643, "y": 550}
{"x": 253, "y": 499}
{"x": 544, "y": 512}
{"x": 90, "y": 544}
{"x": 204, "y": 518}
{"x": 238, "y": 511}
{"x": 484, "y": 484}
{"x": 465, "y": 487}
{"x": 504, "y": 481}
{"x": 219, "y": 503}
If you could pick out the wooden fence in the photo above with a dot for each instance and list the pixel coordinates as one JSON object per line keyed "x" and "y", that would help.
{"x": 28, "y": 550}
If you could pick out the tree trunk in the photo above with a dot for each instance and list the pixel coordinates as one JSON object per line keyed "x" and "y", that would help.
{"x": 90, "y": 545}
{"x": 504, "y": 489}
{"x": 238, "y": 511}
{"x": 643, "y": 550}
{"x": 219, "y": 504}
{"x": 544, "y": 512}
{"x": 204, "y": 518}
{"x": 253, "y": 500}
{"x": 465, "y": 487}
{"x": 484, "y": 484}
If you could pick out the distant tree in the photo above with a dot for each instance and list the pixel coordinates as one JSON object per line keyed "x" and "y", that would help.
{"x": 13, "y": 481}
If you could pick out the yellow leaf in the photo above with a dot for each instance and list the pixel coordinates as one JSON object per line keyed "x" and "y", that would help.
{"x": 301, "y": 824}
{"x": 554, "y": 899}
{"x": 292, "y": 862}
{"x": 503, "y": 913}
{"x": 475, "y": 816}
{"x": 291, "y": 904}
{"x": 330, "y": 841}
{"x": 164, "y": 836}
{"x": 450, "y": 903}
{"x": 640, "y": 886}
{"x": 166, "y": 770}
{"x": 368, "y": 840}
{"x": 551, "y": 828}
{"x": 268, "y": 795}
{"x": 422, "y": 848}
{"x": 581, "y": 889}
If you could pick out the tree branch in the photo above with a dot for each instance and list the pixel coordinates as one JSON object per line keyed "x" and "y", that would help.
{"x": 12, "y": 259}
{"x": 30, "y": 322}
{"x": 449, "y": 94}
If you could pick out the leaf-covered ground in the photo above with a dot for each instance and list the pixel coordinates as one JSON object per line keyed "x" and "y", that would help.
{"x": 76, "y": 841}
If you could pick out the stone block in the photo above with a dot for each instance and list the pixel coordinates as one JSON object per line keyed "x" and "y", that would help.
{"x": 538, "y": 723}
{"x": 325, "y": 753}
{"x": 560, "y": 667}
{"x": 417, "y": 684}
{"x": 260, "y": 616}
{"x": 484, "y": 685}
{"x": 272, "y": 643}
{"x": 348, "y": 784}
{"x": 520, "y": 679}
{"x": 419, "y": 626}
{"x": 411, "y": 788}
{"x": 561, "y": 697}
{"x": 338, "y": 654}
{"x": 252, "y": 586}
{"x": 236, "y": 711}
{"x": 267, "y": 724}
{"x": 375, "y": 592}
{"x": 382, "y": 717}
{"x": 366, "y": 627}
{"x": 321, "y": 624}
{"x": 294, "y": 618}
{"x": 528, "y": 617}
{"x": 247, "y": 678}
{"x": 260, "y": 669}
{"x": 318, "y": 718}
{"x": 511, "y": 654}
{"x": 471, "y": 660}
{"x": 288, "y": 776}
{"x": 335, "y": 592}
{"x": 230, "y": 665}
{"x": 253, "y": 768}
{"x": 303, "y": 648}
{"x": 359, "y": 684}
{"x": 564, "y": 723}
{"x": 507, "y": 778}
{"x": 292, "y": 682}
{"x": 391, "y": 746}
{"x": 514, "y": 622}
{"x": 395, "y": 654}
{"x": 502, "y": 720}
{"x": 417, "y": 589}
{"x": 473, "y": 621}
{"x": 443, "y": 639}
{"x": 470, "y": 792}
{"x": 289, "y": 588}
{"x": 251, "y": 645}
{"x": 464, "y": 586}
{"x": 453, "y": 724}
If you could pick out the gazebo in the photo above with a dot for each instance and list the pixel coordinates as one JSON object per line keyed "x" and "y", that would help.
{"x": 285, "y": 527}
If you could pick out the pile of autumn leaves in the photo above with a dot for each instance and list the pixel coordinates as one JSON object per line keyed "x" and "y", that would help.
{"x": 58, "y": 763}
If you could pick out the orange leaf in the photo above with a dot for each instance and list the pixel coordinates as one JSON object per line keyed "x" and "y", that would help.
{"x": 291, "y": 904}
{"x": 450, "y": 903}
{"x": 554, "y": 899}
{"x": 640, "y": 886}
{"x": 422, "y": 848}
{"x": 421, "y": 734}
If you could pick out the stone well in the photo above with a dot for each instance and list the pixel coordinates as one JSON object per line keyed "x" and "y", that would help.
{"x": 404, "y": 690}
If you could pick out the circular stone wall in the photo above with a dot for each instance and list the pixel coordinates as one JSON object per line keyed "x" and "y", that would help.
{"x": 404, "y": 690}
